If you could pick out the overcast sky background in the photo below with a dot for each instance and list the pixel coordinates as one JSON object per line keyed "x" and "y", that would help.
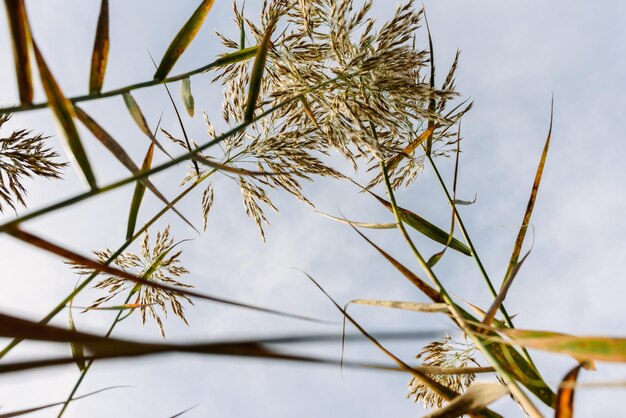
{"x": 515, "y": 54}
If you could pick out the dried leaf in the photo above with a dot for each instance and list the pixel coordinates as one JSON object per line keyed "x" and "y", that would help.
{"x": 477, "y": 397}
{"x": 20, "y": 37}
{"x": 100, "y": 50}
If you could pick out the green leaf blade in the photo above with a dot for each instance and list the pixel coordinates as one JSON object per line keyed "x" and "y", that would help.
{"x": 188, "y": 99}
{"x": 140, "y": 190}
{"x": 182, "y": 39}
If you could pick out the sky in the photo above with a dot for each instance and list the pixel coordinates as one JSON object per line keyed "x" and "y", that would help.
{"x": 514, "y": 57}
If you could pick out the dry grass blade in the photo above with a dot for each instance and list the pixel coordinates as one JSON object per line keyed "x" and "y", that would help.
{"x": 407, "y": 306}
{"x": 140, "y": 120}
{"x": 531, "y": 201}
{"x": 52, "y": 405}
{"x": 182, "y": 39}
{"x": 140, "y": 189}
{"x": 443, "y": 391}
{"x": 424, "y": 136}
{"x": 100, "y": 50}
{"x": 256, "y": 77}
{"x": 86, "y": 262}
{"x": 477, "y": 397}
{"x": 118, "y": 152}
{"x": 187, "y": 96}
{"x": 565, "y": 395}
{"x": 64, "y": 112}
{"x": 20, "y": 37}
{"x": 359, "y": 224}
{"x": 432, "y": 103}
{"x": 183, "y": 412}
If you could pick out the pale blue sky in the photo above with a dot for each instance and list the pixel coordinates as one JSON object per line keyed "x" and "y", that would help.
{"x": 514, "y": 56}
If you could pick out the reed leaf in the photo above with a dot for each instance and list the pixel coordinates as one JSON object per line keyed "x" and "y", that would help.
{"x": 78, "y": 351}
{"x": 64, "y": 112}
{"x": 187, "y": 96}
{"x": 140, "y": 120}
{"x": 359, "y": 224}
{"x": 182, "y": 39}
{"x": 565, "y": 395}
{"x": 100, "y": 52}
{"x": 118, "y": 152}
{"x": 140, "y": 189}
{"x": 426, "y": 228}
{"x": 407, "y": 306}
{"x": 20, "y": 40}
{"x": 256, "y": 77}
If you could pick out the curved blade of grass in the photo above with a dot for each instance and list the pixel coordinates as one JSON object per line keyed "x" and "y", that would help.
{"x": 140, "y": 189}
{"x": 581, "y": 348}
{"x": 517, "y": 248}
{"x": 408, "y": 150}
{"x": 52, "y": 405}
{"x": 407, "y": 306}
{"x": 426, "y": 228}
{"x": 84, "y": 261}
{"x": 78, "y": 351}
{"x": 460, "y": 316}
{"x": 188, "y": 100}
{"x": 183, "y": 412}
{"x": 100, "y": 50}
{"x": 465, "y": 202}
{"x": 140, "y": 120}
{"x": 182, "y": 39}
{"x": 123, "y": 307}
{"x": 478, "y": 396}
{"x": 256, "y": 77}
{"x": 64, "y": 112}
{"x": 565, "y": 395}
{"x": 118, "y": 152}
{"x": 20, "y": 40}
{"x": 359, "y": 224}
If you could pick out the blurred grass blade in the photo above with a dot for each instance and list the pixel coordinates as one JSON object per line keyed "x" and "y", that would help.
{"x": 478, "y": 396}
{"x": 581, "y": 348}
{"x": 181, "y": 412}
{"x": 256, "y": 77}
{"x": 517, "y": 248}
{"x": 407, "y": 306}
{"x": 426, "y": 228}
{"x": 52, "y": 405}
{"x": 182, "y": 39}
{"x": 123, "y": 307}
{"x": 506, "y": 285}
{"x": 89, "y": 263}
{"x": 118, "y": 152}
{"x": 431, "y": 293}
{"x": 140, "y": 120}
{"x": 64, "y": 112}
{"x": 140, "y": 190}
{"x": 100, "y": 50}
{"x": 78, "y": 351}
{"x": 20, "y": 38}
{"x": 565, "y": 395}
{"x": 187, "y": 96}
{"x": 359, "y": 224}
{"x": 465, "y": 202}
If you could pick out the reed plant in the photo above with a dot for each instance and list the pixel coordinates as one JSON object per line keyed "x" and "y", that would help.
{"x": 304, "y": 81}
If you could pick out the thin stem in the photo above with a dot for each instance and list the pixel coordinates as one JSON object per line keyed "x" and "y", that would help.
{"x": 244, "y": 54}
{"x": 516, "y": 391}
{"x": 466, "y": 236}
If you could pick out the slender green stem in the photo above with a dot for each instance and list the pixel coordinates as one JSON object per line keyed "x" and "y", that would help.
{"x": 516, "y": 391}
{"x": 507, "y": 317}
{"x": 241, "y": 55}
